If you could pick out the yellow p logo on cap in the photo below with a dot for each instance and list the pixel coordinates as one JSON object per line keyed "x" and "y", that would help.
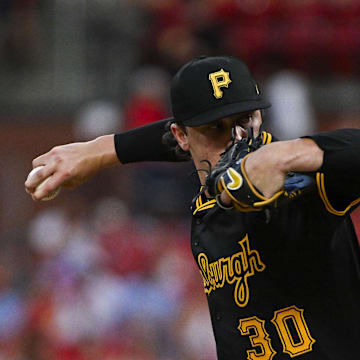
{"x": 218, "y": 80}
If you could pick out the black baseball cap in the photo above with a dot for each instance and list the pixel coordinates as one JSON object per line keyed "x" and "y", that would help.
{"x": 210, "y": 88}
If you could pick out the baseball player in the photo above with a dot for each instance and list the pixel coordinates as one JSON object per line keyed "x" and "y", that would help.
{"x": 278, "y": 253}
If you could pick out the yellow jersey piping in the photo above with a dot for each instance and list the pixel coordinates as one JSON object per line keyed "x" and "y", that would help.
{"x": 207, "y": 205}
{"x": 320, "y": 182}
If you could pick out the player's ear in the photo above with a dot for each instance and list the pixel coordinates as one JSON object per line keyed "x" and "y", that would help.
{"x": 181, "y": 136}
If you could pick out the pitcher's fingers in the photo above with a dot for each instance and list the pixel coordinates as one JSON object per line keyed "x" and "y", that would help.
{"x": 34, "y": 179}
{"x": 55, "y": 181}
{"x": 42, "y": 159}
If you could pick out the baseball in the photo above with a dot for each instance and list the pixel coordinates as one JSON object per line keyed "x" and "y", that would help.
{"x": 53, "y": 193}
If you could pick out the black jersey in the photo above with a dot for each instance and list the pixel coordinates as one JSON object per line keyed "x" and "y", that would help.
{"x": 286, "y": 284}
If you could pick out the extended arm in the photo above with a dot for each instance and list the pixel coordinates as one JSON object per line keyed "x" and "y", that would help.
{"x": 73, "y": 164}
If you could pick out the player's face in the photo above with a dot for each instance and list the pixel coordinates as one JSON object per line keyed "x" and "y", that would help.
{"x": 208, "y": 141}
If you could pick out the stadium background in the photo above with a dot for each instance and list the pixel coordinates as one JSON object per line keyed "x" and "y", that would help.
{"x": 105, "y": 271}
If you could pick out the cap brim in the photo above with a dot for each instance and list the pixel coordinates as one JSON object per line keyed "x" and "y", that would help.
{"x": 224, "y": 111}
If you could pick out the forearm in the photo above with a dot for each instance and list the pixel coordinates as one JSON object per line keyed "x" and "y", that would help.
{"x": 72, "y": 164}
{"x": 268, "y": 166}
{"x": 302, "y": 155}
{"x": 103, "y": 149}
{"x": 334, "y": 153}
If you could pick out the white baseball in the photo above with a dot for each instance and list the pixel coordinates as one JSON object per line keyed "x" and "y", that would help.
{"x": 53, "y": 194}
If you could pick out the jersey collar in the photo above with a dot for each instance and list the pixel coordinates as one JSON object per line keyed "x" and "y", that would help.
{"x": 201, "y": 204}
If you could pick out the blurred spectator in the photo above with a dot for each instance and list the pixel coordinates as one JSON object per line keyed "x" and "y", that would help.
{"x": 48, "y": 232}
{"x": 115, "y": 230}
{"x": 195, "y": 334}
{"x": 22, "y": 39}
{"x": 177, "y": 45}
{"x": 291, "y": 113}
{"x": 98, "y": 118}
{"x": 12, "y": 317}
{"x": 148, "y": 97}
{"x": 113, "y": 30}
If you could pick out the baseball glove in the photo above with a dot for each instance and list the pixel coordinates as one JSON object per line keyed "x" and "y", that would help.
{"x": 229, "y": 174}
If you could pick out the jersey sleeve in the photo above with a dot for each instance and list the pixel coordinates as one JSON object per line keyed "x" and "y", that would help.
{"x": 144, "y": 144}
{"x": 338, "y": 179}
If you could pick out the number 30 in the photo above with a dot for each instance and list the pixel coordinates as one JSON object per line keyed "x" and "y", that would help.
{"x": 281, "y": 320}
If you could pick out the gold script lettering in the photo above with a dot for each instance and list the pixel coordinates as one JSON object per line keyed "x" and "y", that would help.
{"x": 234, "y": 269}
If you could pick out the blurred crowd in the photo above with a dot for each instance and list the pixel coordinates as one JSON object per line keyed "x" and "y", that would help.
{"x": 294, "y": 47}
{"x": 106, "y": 272}
{"x": 311, "y": 35}
{"x": 100, "y": 284}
